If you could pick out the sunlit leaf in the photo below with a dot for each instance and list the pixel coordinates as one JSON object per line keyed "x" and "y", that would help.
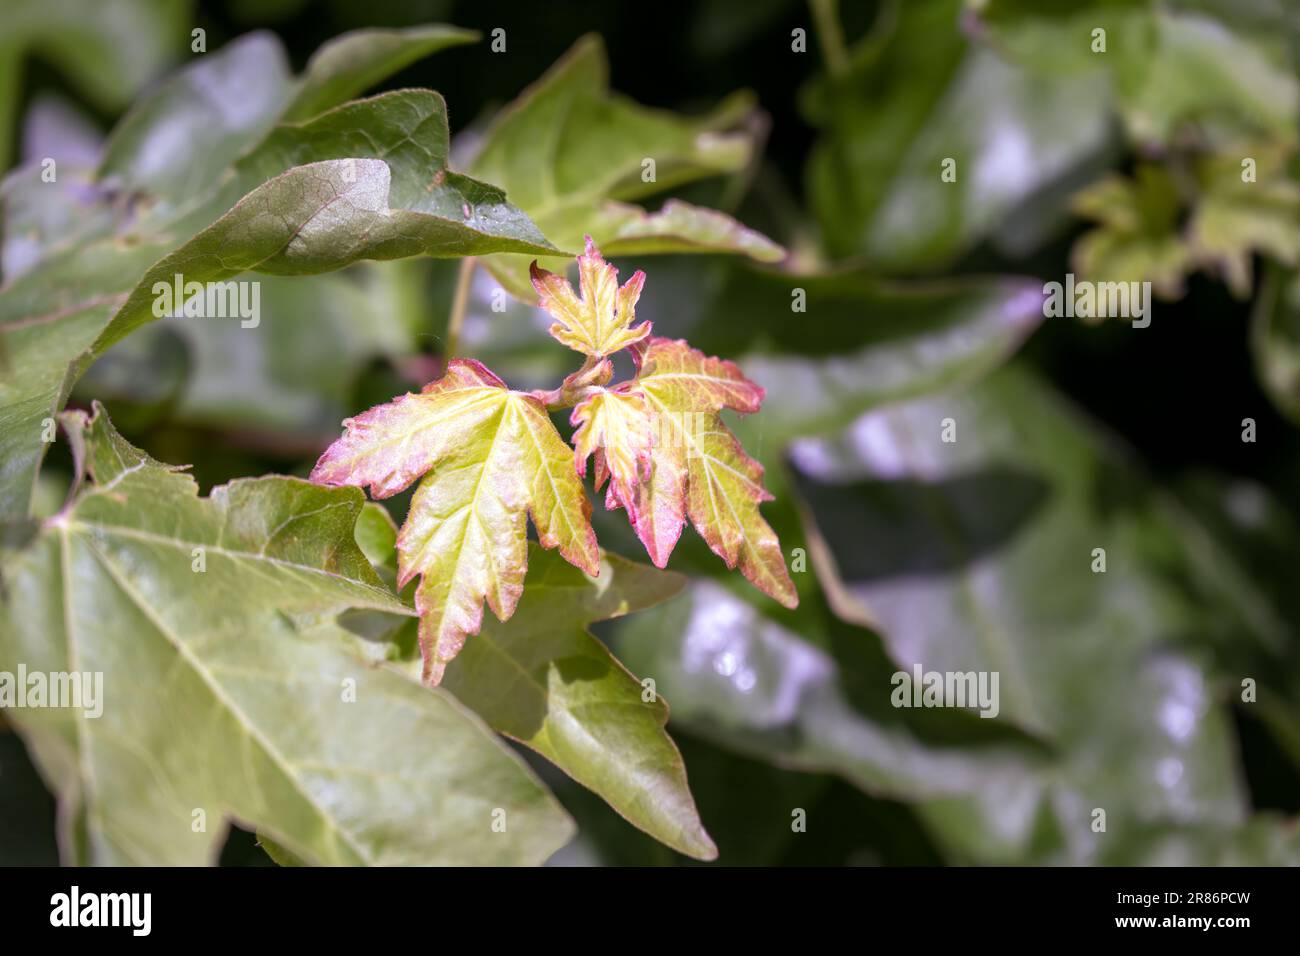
{"x": 699, "y": 468}
{"x": 490, "y": 458}
{"x": 542, "y": 679}
{"x": 1237, "y": 218}
{"x": 617, "y": 427}
{"x": 319, "y": 197}
{"x": 217, "y": 706}
{"x": 599, "y": 323}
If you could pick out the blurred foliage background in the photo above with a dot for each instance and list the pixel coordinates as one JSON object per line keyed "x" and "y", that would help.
{"x": 1119, "y": 690}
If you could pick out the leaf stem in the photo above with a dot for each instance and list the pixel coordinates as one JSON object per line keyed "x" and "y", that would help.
{"x": 459, "y": 303}
{"x": 594, "y": 375}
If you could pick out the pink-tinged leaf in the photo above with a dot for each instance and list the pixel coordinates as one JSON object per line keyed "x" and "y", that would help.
{"x": 619, "y": 426}
{"x": 392, "y": 445}
{"x": 599, "y": 322}
{"x": 600, "y": 473}
{"x": 658, "y": 509}
{"x": 698, "y": 381}
{"x": 698, "y": 468}
{"x": 725, "y": 489}
{"x": 491, "y": 459}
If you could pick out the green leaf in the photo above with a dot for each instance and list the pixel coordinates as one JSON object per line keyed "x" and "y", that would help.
{"x": 828, "y": 346}
{"x": 317, "y": 218}
{"x": 108, "y": 49}
{"x": 245, "y": 717}
{"x": 407, "y": 129}
{"x": 982, "y": 558}
{"x": 175, "y": 142}
{"x": 569, "y": 153}
{"x": 754, "y": 831}
{"x": 377, "y": 535}
{"x": 544, "y": 680}
{"x": 807, "y": 692}
{"x": 314, "y": 213}
{"x": 1165, "y": 68}
{"x": 311, "y": 213}
{"x": 356, "y": 61}
{"x": 678, "y": 227}
{"x": 1235, "y": 219}
{"x": 294, "y": 378}
{"x": 47, "y": 320}
{"x": 917, "y": 94}
{"x": 1138, "y": 237}
{"x": 492, "y": 458}
{"x": 1231, "y": 215}
{"x": 277, "y": 853}
{"x": 1275, "y": 339}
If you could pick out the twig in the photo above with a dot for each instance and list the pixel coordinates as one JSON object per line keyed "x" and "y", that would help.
{"x": 459, "y": 302}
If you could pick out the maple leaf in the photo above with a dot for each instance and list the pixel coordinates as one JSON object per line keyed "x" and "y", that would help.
{"x": 697, "y": 467}
{"x": 489, "y": 457}
{"x": 618, "y": 428}
{"x": 221, "y": 688}
{"x": 598, "y": 323}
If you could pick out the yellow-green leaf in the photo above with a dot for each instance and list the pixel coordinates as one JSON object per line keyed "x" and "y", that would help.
{"x": 698, "y": 467}
{"x": 618, "y": 428}
{"x": 599, "y": 323}
{"x": 1137, "y": 237}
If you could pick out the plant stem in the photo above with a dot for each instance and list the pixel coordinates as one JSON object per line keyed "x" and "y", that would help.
{"x": 459, "y": 302}
{"x": 830, "y": 35}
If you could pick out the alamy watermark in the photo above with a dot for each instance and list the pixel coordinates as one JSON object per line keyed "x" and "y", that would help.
{"x": 133, "y": 911}
{"x": 209, "y": 300}
{"x": 82, "y": 690}
{"x": 977, "y": 690}
{"x": 1098, "y": 300}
